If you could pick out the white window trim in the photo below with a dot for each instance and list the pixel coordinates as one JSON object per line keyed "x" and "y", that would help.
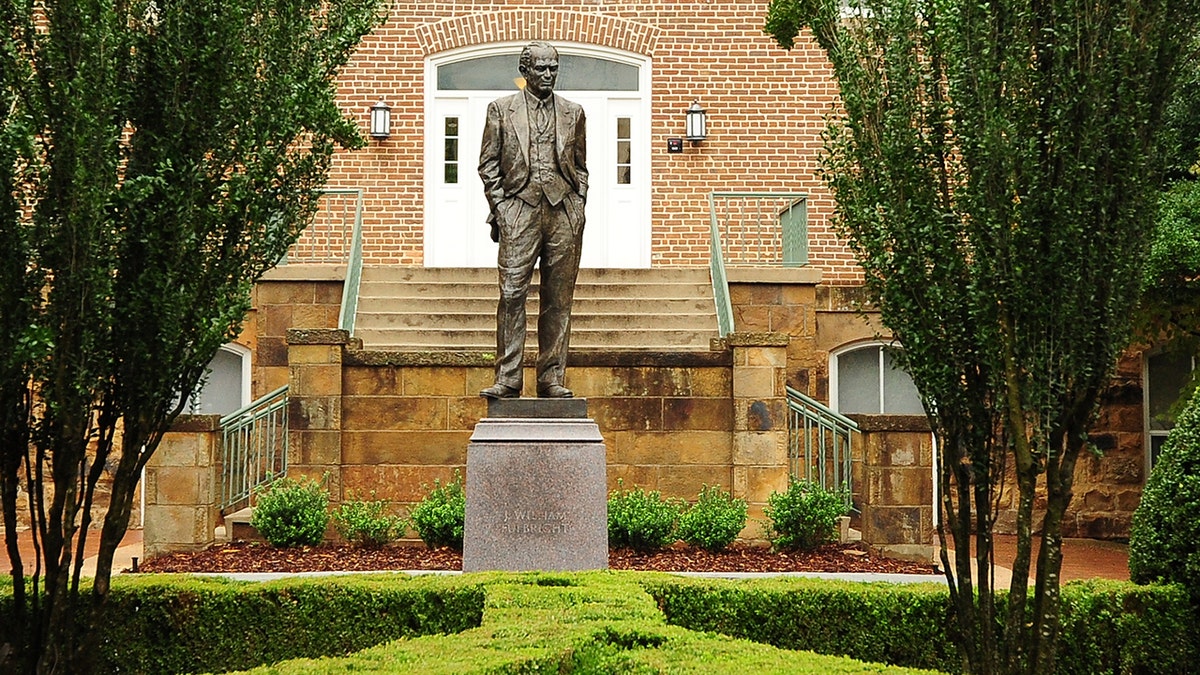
{"x": 1148, "y": 434}
{"x": 244, "y": 356}
{"x": 835, "y": 354}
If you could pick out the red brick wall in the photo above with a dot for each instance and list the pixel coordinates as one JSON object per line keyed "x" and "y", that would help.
{"x": 766, "y": 112}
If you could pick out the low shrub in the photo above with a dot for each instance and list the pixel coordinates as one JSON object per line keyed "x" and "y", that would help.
{"x": 439, "y": 518}
{"x": 367, "y": 523}
{"x": 291, "y": 513}
{"x": 804, "y": 517}
{"x": 643, "y": 521}
{"x": 714, "y": 521}
{"x": 1164, "y": 538}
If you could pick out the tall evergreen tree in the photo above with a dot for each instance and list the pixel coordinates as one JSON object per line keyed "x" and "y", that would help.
{"x": 995, "y": 167}
{"x": 157, "y": 156}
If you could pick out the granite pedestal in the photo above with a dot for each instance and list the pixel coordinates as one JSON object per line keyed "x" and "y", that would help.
{"x": 536, "y": 489}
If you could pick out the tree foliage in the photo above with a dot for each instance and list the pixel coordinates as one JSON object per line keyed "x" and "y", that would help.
{"x": 156, "y": 158}
{"x": 995, "y": 170}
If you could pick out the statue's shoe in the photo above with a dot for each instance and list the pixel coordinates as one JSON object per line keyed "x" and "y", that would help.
{"x": 501, "y": 391}
{"x": 554, "y": 391}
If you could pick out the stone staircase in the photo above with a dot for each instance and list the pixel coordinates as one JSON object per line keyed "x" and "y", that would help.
{"x": 411, "y": 308}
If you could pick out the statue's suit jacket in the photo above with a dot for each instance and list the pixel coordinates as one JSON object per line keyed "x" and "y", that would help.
{"x": 504, "y": 154}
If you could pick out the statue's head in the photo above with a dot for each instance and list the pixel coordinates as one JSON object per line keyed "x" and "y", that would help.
{"x": 539, "y": 67}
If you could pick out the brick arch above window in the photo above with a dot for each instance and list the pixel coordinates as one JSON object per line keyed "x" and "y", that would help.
{"x": 539, "y": 24}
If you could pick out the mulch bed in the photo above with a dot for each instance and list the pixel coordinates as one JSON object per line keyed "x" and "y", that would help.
{"x": 258, "y": 557}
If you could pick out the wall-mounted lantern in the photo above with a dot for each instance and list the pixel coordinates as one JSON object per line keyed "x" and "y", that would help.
{"x": 381, "y": 120}
{"x": 696, "y": 127}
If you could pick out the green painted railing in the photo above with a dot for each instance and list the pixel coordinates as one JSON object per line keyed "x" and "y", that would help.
{"x": 820, "y": 442}
{"x": 753, "y": 229}
{"x": 353, "y": 264}
{"x": 254, "y": 445}
{"x": 335, "y": 238}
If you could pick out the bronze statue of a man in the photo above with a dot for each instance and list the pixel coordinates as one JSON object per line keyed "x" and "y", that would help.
{"x": 534, "y": 169}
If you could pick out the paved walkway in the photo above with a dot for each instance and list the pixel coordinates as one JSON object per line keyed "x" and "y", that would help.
{"x": 130, "y": 548}
{"x": 1082, "y": 558}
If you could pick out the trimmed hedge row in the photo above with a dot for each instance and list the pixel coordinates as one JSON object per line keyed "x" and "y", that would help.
{"x": 598, "y": 622}
{"x": 1107, "y": 626}
{"x": 605, "y": 622}
{"x": 187, "y": 624}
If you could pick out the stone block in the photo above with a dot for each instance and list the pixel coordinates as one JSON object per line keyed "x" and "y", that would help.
{"x": 760, "y": 415}
{"x": 775, "y": 357}
{"x": 463, "y": 413}
{"x": 315, "y": 316}
{"x": 432, "y": 448}
{"x": 760, "y": 448}
{"x": 894, "y": 525}
{"x": 395, "y": 413}
{"x": 686, "y": 482}
{"x": 373, "y": 381}
{"x": 754, "y": 382}
{"x": 272, "y": 351}
{"x": 682, "y": 447}
{"x": 276, "y": 319}
{"x": 478, "y": 379}
{"x": 898, "y": 486}
{"x": 434, "y": 381}
{"x": 697, "y": 414}
{"x": 628, "y": 413}
{"x": 752, "y": 317}
{"x": 308, "y": 354}
{"x": 401, "y": 484}
{"x": 285, "y": 293}
{"x": 316, "y": 380}
{"x": 177, "y": 528}
{"x": 535, "y": 506}
{"x": 321, "y": 448}
{"x": 269, "y": 379}
{"x": 315, "y": 413}
{"x": 800, "y": 295}
{"x": 179, "y": 485}
{"x": 761, "y": 481}
{"x": 792, "y": 320}
{"x": 179, "y": 449}
{"x": 628, "y": 476}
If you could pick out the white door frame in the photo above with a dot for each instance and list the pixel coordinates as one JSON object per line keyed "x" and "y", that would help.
{"x": 618, "y": 229}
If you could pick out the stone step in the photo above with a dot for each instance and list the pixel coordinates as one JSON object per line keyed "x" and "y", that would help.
{"x": 583, "y": 291}
{"x": 579, "y": 320}
{"x": 372, "y": 273}
{"x": 383, "y": 304}
{"x": 485, "y": 339}
{"x": 238, "y": 527}
{"x": 430, "y": 308}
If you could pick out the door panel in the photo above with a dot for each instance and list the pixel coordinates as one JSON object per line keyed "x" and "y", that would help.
{"x": 617, "y": 233}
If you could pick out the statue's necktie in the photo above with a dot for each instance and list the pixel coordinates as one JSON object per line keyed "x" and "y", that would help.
{"x": 543, "y": 116}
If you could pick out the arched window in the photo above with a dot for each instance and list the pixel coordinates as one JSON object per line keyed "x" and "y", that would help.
{"x": 227, "y": 385}
{"x": 864, "y": 378}
{"x": 1168, "y": 372}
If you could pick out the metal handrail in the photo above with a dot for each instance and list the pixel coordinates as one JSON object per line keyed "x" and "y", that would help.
{"x": 350, "y": 286}
{"x": 820, "y": 444}
{"x": 254, "y": 445}
{"x": 716, "y": 266}
{"x": 763, "y": 229}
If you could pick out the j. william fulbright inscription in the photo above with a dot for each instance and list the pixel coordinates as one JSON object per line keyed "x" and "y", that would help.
{"x": 533, "y": 162}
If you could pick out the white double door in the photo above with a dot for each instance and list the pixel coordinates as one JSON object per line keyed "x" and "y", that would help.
{"x": 617, "y": 233}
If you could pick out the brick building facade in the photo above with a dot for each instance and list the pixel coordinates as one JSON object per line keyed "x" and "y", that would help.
{"x": 766, "y": 110}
